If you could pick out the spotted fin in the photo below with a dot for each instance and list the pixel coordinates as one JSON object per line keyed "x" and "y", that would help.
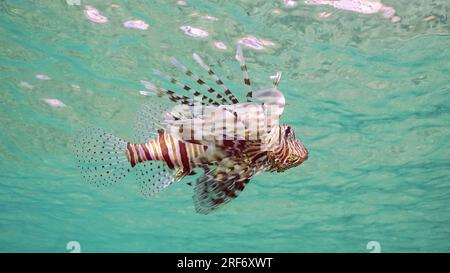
{"x": 154, "y": 176}
{"x": 150, "y": 119}
{"x": 157, "y": 114}
{"x": 101, "y": 157}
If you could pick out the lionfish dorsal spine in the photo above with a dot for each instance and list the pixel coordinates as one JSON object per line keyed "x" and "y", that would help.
{"x": 231, "y": 97}
{"x": 240, "y": 58}
{"x": 187, "y": 88}
{"x": 276, "y": 79}
{"x": 198, "y": 80}
{"x": 173, "y": 96}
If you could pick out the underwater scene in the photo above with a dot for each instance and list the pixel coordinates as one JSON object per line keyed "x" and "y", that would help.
{"x": 99, "y": 120}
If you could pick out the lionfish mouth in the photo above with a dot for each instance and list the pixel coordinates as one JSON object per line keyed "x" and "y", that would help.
{"x": 277, "y": 166}
{"x": 283, "y": 169}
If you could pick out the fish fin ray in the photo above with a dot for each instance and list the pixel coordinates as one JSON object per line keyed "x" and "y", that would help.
{"x": 101, "y": 156}
{"x": 199, "y": 97}
{"x": 219, "y": 99}
{"x": 220, "y": 185}
{"x": 246, "y": 77}
{"x": 227, "y": 92}
{"x": 172, "y": 95}
{"x": 153, "y": 177}
{"x": 150, "y": 119}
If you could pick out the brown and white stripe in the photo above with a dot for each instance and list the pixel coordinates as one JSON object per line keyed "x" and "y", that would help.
{"x": 217, "y": 80}
{"x": 165, "y": 147}
{"x": 197, "y": 79}
{"x": 284, "y": 144}
{"x": 240, "y": 58}
{"x": 173, "y": 96}
{"x": 185, "y": 87}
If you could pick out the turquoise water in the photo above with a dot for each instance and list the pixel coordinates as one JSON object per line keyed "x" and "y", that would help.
{"x": 368, "y": 97}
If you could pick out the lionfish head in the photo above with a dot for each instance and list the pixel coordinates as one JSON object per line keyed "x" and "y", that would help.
{"x": 286, "y": 151}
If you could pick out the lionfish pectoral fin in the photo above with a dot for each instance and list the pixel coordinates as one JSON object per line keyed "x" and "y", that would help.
{"x": 154, "y": 176}
{"x": 219, "y": 186}
{"x": 101, "y": 156}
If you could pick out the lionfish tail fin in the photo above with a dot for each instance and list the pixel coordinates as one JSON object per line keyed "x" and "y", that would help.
{"x": 101, "y": 157}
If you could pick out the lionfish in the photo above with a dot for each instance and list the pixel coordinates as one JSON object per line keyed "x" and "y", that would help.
{"x": 209, "y": 131}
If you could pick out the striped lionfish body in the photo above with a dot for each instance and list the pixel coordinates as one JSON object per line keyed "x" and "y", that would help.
{"x": 181, "y": 132}
{"x": 174, "y": 152}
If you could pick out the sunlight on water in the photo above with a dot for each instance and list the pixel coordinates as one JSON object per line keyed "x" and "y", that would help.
{"x": 367, "y": 95}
